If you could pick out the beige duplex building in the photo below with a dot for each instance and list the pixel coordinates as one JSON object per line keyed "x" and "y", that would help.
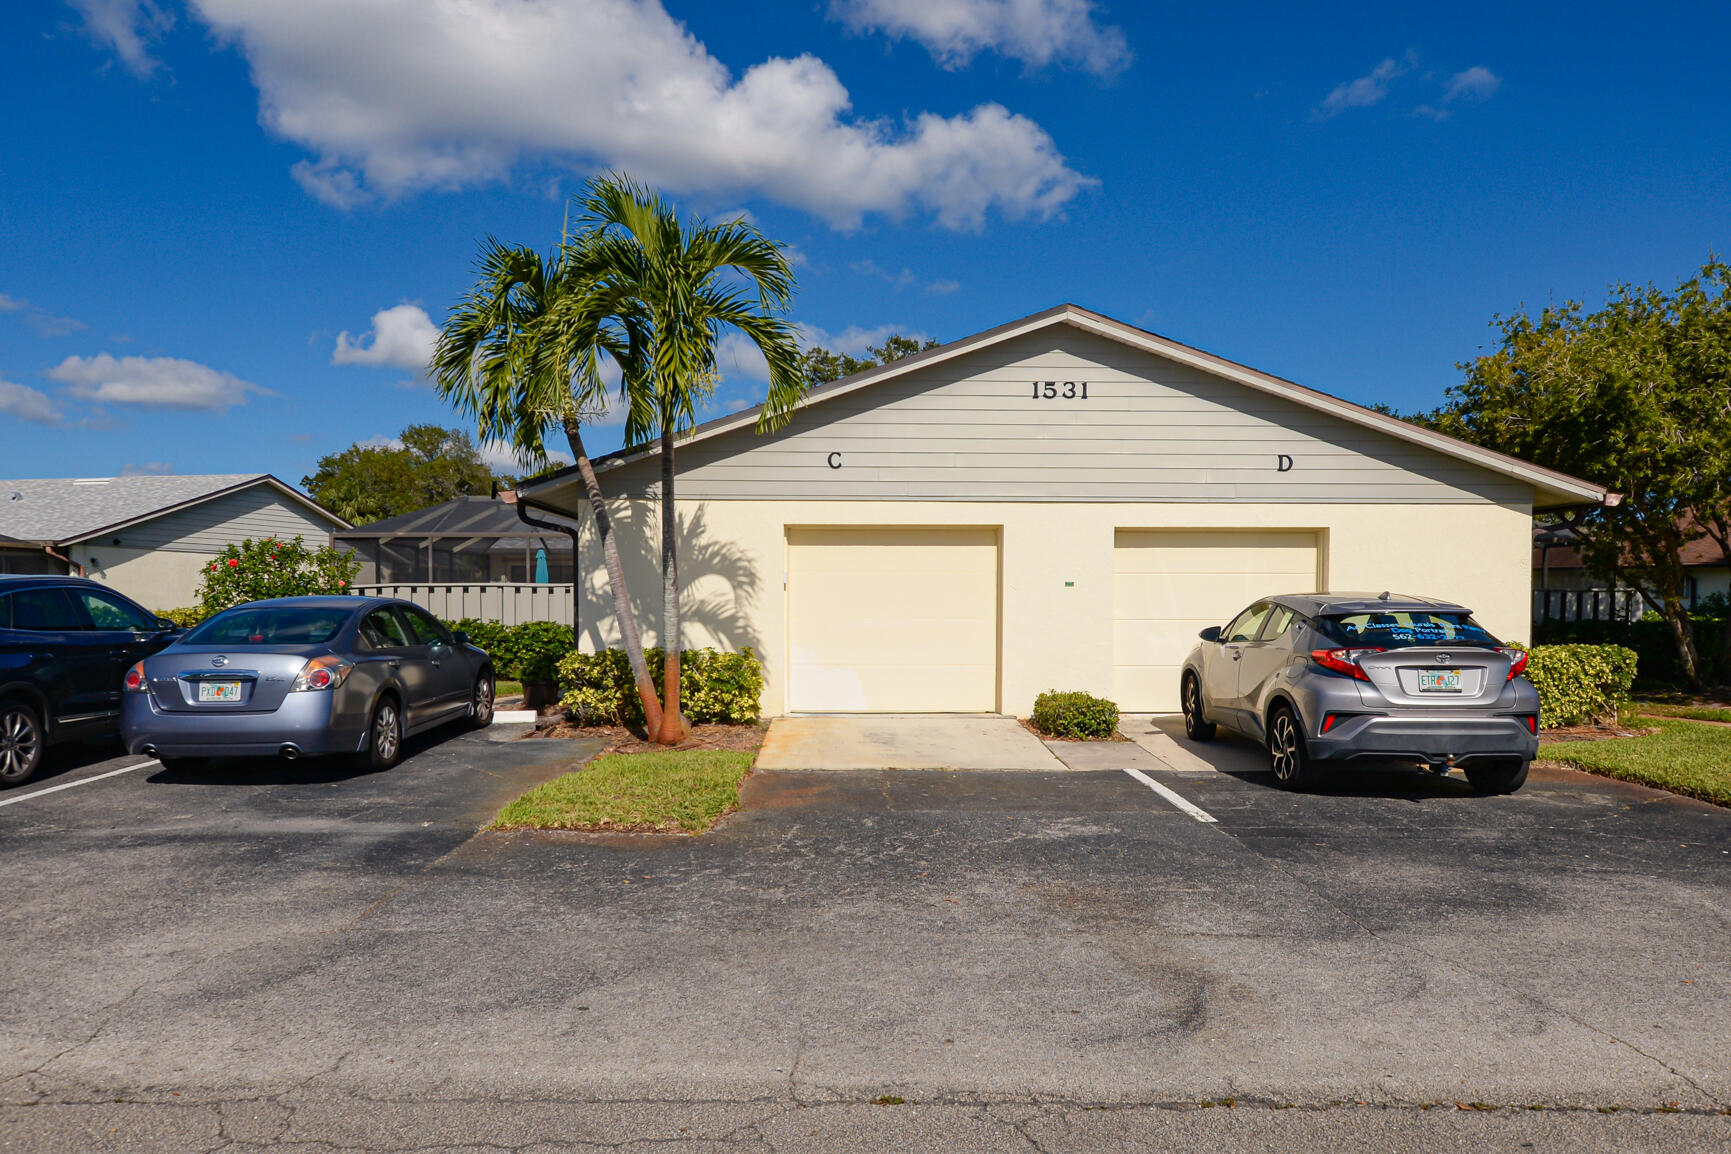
{"x": 1060, "y": 502}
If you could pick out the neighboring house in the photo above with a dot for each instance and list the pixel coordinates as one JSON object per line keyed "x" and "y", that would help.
{"x": 1060, "y": 502}
{"x": 148, "y": 536}
{"x": 1557, "y": 566}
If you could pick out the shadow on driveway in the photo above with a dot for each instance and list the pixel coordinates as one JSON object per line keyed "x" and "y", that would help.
{"x": 301, "y": 771}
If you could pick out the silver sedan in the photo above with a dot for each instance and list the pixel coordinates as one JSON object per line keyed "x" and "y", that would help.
{"x": 1332, "y": 677}
{"x": 304, "y": 676}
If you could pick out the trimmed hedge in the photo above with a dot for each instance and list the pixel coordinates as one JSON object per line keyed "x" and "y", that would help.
{"x": 1653, "y": 645}
{"x": 185, "y": 618}
{"x": 714, "y": 687}
{"x": 1580, "y": 683}
{"x": 1074, "y": 714}
{"x": 526, "y": 652}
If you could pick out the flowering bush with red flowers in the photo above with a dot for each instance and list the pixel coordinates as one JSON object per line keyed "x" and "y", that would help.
{"x": 272, "y": 567}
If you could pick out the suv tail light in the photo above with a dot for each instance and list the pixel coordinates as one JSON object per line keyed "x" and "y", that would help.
{"x": 325, "y": 672}
{"x": 135, "y": 681}
{"x": 1342, "y": 661}
{"x": 1517, "y": 662}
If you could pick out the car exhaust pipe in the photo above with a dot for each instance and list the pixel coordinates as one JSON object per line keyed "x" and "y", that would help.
{"x": 149, "y": 751}
{"x": 290, "y": 751}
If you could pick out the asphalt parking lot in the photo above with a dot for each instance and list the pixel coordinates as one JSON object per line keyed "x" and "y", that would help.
{"x": 307, "y": 958}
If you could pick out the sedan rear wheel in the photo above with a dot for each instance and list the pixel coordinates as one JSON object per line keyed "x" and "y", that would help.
{"x": 385, "y": 734}
{"x": 481, "y": 700}
{"x": 21, "y": 743}
{"x": 1286, "y": 755}
{"x": 1195, "y": 728}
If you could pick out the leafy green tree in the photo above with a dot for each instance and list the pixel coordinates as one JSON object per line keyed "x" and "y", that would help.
{"x": 521, "y": 356}
{"x": 1635, "y": 395}
{"x": 819, "y": 366}
{"x": 271, "y": 567}
{"x": 665, "y": 289}
{"x": 369, "y": 482}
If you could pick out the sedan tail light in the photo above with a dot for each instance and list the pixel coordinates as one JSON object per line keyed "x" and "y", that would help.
{"x": 325, "y": 672}
{"x": 135, "y": 680}
{"x": 1342, "y": 661}
{"x": 1517, "y": 662}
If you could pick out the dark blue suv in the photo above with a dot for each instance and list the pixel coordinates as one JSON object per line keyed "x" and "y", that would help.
{"x": 65, "y": 646}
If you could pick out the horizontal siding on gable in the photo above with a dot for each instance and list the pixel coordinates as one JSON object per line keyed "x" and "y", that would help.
{"x": 1150, "y": 430}
{"x": 255, "y": 512}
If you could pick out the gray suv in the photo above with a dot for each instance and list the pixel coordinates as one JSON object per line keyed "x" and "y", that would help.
{"x": 1329, "y": 677}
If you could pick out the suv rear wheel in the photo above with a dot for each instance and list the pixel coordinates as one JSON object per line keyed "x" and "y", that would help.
{"x": 22, "y": 742}
{"x": 1286, "y": 754}
{"x": 1503, "y": 776}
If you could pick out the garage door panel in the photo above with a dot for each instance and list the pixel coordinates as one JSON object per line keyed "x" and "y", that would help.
{"x": 892, "y": 619}
{"x": 1169, "y": 585}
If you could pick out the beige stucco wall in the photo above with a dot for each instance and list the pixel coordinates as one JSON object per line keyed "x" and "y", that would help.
{"x": 733, "y": 556}
{"x": 157, "y": 579}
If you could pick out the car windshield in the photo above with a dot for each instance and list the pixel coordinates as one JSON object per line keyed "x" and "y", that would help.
{"x": 269, "y": 625}
{"x": 1402, "y": 628}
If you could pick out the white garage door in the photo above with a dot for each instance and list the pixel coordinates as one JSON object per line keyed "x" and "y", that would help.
{"x": 892, "y": 620}
{"x": 1168, "y": 585}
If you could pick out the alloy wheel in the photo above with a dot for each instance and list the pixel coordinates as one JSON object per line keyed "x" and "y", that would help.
{"x": 20, "y": 744}
{"x": 385, "y": 732}
{"x": 1283, "y": 749}
{"x": 481, "y": 708}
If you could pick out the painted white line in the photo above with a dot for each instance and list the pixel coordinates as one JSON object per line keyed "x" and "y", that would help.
{"x": 75, "y": 784}
{"x": 1194, "y": 811}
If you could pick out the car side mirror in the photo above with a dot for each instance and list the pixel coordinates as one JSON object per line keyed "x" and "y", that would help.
{"x": 460, "y": 637}
{"x": 1212, "y": 633}
{"x": 165, "y": 624}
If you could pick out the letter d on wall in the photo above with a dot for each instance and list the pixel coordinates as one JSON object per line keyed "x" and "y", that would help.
{"x": 1283, "y": 463}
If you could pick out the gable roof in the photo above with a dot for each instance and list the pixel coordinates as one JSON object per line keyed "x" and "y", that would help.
{"x": 471, "y": 516}
{"x": 1551, "y": 489}
{"x": 66, "y": 510}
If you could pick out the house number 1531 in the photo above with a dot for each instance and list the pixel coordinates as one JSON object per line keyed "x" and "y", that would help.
{"x": 1060, "y": 390}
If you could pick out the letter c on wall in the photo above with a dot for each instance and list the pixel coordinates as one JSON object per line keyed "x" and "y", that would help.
{"x": 835, "y": 460}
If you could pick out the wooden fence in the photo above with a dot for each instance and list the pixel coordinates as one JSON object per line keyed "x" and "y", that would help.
{"x": 1587, "y": 605}
{"x": 508, "y": 604}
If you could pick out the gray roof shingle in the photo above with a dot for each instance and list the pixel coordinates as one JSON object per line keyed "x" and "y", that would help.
{"x": 64, "y": 508}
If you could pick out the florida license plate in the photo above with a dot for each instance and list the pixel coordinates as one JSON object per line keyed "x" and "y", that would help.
{"x": 1439, "y": 681}
{"x": 219, "y": 691}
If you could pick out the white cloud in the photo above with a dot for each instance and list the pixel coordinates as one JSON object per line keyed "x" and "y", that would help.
{"x": 394, "y": 96}
{"x": 1475, "y": 84}
{"x": 897, "y": 280}
{"x": 152, "y": 382}
{"x": 45, "y": 323}
{"x": 28, "y": 404}
{"x": 126, "y": 27}
{"x": 737, "y": 356}
{"x": 1036, "y": 32}
{"x": 402, "y": 336}
{"x": 502, "y": 458}
{"x": 854, "y": 341}
{"x": 9, "y": 304}
{"x": 944, "y": 287}
{"x": 1366, "y": 90}
{"x": 147, "y": 469}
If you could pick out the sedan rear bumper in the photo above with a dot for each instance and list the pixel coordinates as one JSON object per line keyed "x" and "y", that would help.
{"x": 1431, "y": 739}
{"x": 304, "y": 721}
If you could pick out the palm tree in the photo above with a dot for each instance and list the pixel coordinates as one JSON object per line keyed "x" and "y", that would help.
{"x": 662, "y": 291}
{"x": 504, "y": 359}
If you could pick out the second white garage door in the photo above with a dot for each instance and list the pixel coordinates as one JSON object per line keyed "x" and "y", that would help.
{"x": 1168, "y": 585}
{"x": 892, "y": 620}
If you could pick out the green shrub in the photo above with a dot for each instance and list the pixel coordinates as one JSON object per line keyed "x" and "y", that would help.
{"x": 185, "y": 618}
{"x": 1580, "y": 683}
{"x": 714, "y": 687}
{"x": 1658, "y": 667}
{"x": 526, "y": 652}
{"x": 255, "y": 570}
{"x": 1074, "y": 714}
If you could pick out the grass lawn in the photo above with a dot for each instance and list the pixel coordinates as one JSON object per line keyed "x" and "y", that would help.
{"x": 507, "y": 688}
{"x": 685, "y": 790}
{"x": 1696, "y": 712}
{"x": 1682, "y": 757}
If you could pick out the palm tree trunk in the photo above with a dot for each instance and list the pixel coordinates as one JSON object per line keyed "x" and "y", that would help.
{"x": 628, "y": 634}
{"x": 672, "y": 721}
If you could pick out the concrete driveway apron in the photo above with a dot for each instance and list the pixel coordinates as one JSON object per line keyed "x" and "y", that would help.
{"x": 904, "y": 741}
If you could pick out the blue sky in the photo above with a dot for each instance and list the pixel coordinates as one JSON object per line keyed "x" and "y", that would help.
{"x": 199, "y": 199}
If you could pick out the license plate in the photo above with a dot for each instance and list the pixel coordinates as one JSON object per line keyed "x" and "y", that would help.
{"x": 219, "y": 691}
{"x": 1439, "y": 681}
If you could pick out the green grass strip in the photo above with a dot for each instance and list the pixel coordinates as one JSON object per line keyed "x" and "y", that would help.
{"x": 1693, "y": 712}
{"x": 687, "y": 790}
{"x": 1694, "y": 760}
{"x": 507, "y": 688}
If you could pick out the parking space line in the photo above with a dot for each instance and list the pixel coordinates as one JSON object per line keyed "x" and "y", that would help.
{"x": 1172, "y": 796}
{"x": 72, "y": 784}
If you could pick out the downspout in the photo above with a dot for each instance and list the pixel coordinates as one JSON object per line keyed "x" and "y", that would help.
{"x": 511, "y": 497}
{"x": 78, "y": 570}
